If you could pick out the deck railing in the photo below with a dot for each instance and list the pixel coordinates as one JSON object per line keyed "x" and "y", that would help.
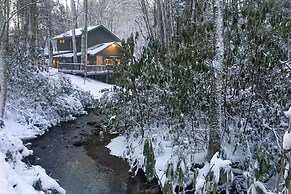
{"x": 86, "y": 69}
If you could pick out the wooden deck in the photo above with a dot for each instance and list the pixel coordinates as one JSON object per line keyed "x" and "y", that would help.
{"x": 82, "y": 69}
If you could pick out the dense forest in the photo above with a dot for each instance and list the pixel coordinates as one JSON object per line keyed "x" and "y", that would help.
{"x": 205, "y": 81}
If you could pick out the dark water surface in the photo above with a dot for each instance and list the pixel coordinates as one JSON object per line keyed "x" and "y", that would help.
{"x": 63, "y": 152}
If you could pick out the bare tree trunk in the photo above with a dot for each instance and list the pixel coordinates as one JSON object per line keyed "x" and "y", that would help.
{"x": 146, "y": 16}
{"x": 288, "y": 50}
{"x": 74, "y": 25}
{"x": 32, "y": 28}
{"x": 161, "y": 20}
{"x": 84, "y": 35}
{"x": 24, "y": 21}
{"x": 216, "y": 86}
{"x": 49, "y": 32}
{"x": 3, "y": 80}
{"x": 3, "y": 60}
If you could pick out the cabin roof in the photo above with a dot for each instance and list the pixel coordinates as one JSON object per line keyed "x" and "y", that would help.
{"x": 100, "y": 47}
{"x": 78, "y": 32}
{"x": 91, "y": 51}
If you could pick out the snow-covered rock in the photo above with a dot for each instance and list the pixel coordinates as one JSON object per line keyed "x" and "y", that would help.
{"x": 16, "y": 177}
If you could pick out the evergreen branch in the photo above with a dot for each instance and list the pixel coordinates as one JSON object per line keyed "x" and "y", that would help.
{"x": 287, "y": 63}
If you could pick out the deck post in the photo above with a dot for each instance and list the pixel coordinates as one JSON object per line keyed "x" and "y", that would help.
{"x": 106, "y": 73}
{"x": 85, "y": 73}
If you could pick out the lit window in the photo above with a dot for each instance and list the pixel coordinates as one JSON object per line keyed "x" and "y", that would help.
{"x": 62, "y": 41}
{"x": 108, "y": 61}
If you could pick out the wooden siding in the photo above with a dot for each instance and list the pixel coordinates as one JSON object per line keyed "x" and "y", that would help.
{"x": 100, "y": 35}
{"x": 67, "y": 45}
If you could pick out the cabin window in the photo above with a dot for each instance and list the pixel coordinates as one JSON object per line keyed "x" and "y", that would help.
{"x": 62, "y": 41}
{"x": 117, "y": 61}
{"x": 55, "y": 63}
{"x": 108, "y": 61}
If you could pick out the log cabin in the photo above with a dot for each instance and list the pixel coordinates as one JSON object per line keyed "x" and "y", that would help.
{"x": 103, "y": 47}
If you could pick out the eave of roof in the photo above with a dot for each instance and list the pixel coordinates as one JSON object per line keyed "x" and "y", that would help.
{"x": 91, "y": 51}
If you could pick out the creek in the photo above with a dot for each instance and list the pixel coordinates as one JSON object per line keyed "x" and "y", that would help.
{"x": 62, "y": 152}
{"x": 75, "y": 155}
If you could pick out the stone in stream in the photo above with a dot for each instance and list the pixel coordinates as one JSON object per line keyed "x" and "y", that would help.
{"x": 91, "y": 123}
{"x": 78, "y": 143}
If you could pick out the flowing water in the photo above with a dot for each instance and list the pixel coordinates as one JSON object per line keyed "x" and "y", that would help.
{"x": 66, "y": 152}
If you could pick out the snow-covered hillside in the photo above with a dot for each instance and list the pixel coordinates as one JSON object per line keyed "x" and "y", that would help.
{"x": 27, "y": 118}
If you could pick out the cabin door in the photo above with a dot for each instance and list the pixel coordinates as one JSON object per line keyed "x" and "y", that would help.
{"x": 99, "y": 60}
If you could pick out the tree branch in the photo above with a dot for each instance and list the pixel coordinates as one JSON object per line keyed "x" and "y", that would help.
{"x": 14, "y": 13}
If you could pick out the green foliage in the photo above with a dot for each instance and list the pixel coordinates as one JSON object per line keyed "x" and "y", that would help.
{"x": 288, "y": 178}
{"x": 168, "y": 187}
{"x": 262, "y": 169}
{"x": 149, "y": 160}
{"x": 171, "y": 87}
{"x": 174, "y": 177}
{"x": 179, "y": 172}
{"x": 210, "y": 185}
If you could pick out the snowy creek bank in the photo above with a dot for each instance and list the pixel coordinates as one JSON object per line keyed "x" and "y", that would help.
{"x": 74, "y": 153}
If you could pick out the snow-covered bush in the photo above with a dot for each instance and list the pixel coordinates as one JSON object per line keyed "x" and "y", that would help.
{"x": 164, "y": 96}
{"x": 168, "y": 102}
{"x": 41, "y": 99}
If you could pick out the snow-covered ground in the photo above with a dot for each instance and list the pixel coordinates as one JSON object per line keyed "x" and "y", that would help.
{"x": 16, "y": 176}
{"x": 93, "y": 86}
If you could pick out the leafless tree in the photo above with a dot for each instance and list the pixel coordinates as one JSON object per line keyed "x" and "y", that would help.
{"x": 4, "y": 26}
{"x": 216, "y": 86}
{"x": 84, "y": 33}
{"x": 74, "y": 26}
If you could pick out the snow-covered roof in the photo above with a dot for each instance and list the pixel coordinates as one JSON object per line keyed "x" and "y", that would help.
{"x": 91, "y": 50}
{"x": 78, "y": 32}
{"x": 100, "y": 47}
{"x": 66, "y": 55}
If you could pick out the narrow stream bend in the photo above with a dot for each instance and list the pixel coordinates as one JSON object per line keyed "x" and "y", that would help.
{"x": 62, "y": 152}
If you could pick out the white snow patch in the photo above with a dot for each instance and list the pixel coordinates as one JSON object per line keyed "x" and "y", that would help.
{"x": 199, "y": 185}
{"x": 16, "y": 177}
{"x": 92, "y": 86}
{"x": 117, "y": 146}
{"x": 287, "y": 140}
{"x": 288, "y": 113}
{"x": 17, "y": 130}
{"x": 216, "y": 164}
